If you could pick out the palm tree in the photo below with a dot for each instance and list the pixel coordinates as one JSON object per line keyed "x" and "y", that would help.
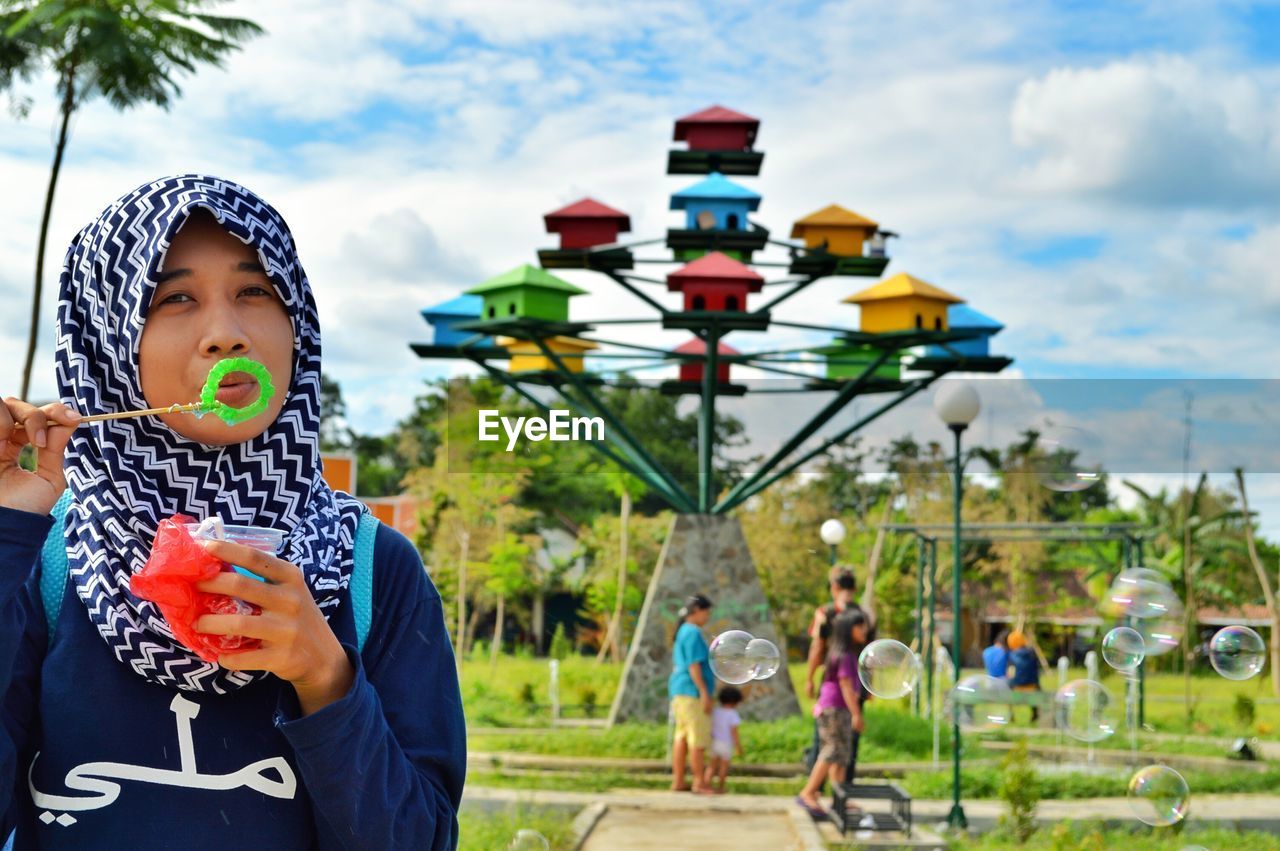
{"x": 125, "y": 50}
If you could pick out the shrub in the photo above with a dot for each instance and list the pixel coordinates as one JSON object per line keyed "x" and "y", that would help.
{"x": 559, "y": 644}
{"x": 1245, "y": 710}
{"x": 526, "y": 695}
{"x": 587, "y": 697}
{"x": 1020, "y": 789}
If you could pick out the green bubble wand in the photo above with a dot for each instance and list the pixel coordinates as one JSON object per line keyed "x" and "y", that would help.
{"x": 209, "y": 403}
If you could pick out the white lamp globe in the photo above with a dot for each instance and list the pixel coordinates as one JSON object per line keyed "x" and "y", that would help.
{"x": 832, "y": 532}
{"x": 957, "y": 404}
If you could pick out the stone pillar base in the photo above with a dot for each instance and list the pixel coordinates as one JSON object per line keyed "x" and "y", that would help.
{"x": 703, "y": 553}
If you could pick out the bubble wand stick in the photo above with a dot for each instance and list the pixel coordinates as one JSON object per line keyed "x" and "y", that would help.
{"x": 190, "y": 408}
{"x": 209, "y": 403}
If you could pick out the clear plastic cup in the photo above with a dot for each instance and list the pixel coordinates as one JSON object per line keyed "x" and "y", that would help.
{"x": 259, "y": 537}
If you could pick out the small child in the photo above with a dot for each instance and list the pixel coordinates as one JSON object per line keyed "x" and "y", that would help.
{"x": 724, "y": 736}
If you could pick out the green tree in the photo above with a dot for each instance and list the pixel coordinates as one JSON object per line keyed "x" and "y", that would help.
{"x": 1269, "y": 592}
{"x": 627, "y": 488}
{"x": 335, "y": 433}
{"x": 127, "y": 51}
{"x": 508, "y": 577}
{"x": 469, "y": 506}
{"x": 1197, "y": 536}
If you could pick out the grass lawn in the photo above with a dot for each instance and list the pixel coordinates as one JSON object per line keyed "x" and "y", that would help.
{"x": 514, "y": 693}
{"x": 494, "y": 831}
{"x": 977, "y": 782}
{"x": 1068, "y": 836}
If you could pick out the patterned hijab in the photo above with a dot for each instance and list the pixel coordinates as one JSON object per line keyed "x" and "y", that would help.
{"x": 127, "y": 475}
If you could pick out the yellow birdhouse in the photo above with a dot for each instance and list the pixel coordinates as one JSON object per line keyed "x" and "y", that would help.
{"x": 841, "y": 232}
{"x": 526, "y": 356}
{"x": 903, "y": 303}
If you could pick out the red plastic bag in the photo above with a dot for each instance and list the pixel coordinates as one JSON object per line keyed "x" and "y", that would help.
{"x": 169, "y": 578}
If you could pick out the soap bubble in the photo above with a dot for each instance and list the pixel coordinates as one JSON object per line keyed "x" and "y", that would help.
{"x": 888, "y": 668}
{"x": 1160, "y": 635}
{"x": 1069, "y": 459}
{"x": 764, "y": 658}
{"x": 1124, "y": 649}
{"x": 1143, "y": 597}
{"x": 1237, "y": 652}
{"x": 729, "y": 661}
{"x": 1085, "y": 711}
{"x": 527, "y": 839}
{"x": 1159, "y": 796}
{"x": 1141, "y": 592}
{"x": 979, "y": 703}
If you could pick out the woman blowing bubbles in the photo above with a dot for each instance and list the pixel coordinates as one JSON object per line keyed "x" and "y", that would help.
{"x": 117, "y": 735}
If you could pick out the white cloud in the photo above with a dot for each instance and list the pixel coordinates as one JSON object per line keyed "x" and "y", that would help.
{"x": 1163, "y": 131}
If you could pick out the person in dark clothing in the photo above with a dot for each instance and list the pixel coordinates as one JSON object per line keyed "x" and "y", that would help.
{"x": 1026, "y": 668}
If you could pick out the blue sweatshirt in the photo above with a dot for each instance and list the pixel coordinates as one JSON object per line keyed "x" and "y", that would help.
{"x": 94, "y": 756}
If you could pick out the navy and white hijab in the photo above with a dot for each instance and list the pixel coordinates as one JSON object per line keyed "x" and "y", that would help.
{"x": 127, "y": 475}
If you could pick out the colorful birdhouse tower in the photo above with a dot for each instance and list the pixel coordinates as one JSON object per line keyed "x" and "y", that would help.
{"x": 526, "y": 292}
{"x": 587, "y": 223}
{"x": 692, "y": 371}
{"x": 835, "y": 230}
{"x": 961, "y": 317}
{"x": 527, "y": 355}
{"x": 717, "y": 128}
{"x": 903, "y": 303}
{"x": 715, "y": 282}
{"x": 444, "y": 316}
{"x": 716, "y": 203}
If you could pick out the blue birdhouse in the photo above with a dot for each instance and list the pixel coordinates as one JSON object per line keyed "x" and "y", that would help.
{"x": 442, "y": 318}
{"x": 716, "y": 203}
{"x": 962, "y": 317}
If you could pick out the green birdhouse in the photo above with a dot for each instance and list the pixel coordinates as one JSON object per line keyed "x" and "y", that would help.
{"x": 845, "y": 362}
{"x": 526, "y": 292}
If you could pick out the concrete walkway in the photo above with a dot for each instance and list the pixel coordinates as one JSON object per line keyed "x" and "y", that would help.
{"x": 628, "y": 829}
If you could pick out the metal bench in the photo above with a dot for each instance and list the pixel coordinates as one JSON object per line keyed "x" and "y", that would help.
{"x": 897, "y": 818}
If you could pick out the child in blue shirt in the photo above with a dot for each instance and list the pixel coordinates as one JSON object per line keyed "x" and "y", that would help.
{"x": 116, "y": 734}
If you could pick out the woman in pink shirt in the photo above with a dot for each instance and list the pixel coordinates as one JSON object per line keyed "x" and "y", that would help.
{"x": 838, "y": 710}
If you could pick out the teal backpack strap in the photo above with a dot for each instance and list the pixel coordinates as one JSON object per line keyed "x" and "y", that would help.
{"x": 53, "y": 563}
{"x": 361, "y": 587}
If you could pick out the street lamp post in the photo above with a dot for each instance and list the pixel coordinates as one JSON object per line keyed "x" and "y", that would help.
{"x": 832, "y": 533}
{"x": 957, "y": 406}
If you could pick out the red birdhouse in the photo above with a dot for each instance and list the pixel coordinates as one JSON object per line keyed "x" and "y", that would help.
{"x": 587, "y": 223}
{"x": 716, "y": 282}
{"x": 693, "y": 370}
{"x": 717, "y": 129}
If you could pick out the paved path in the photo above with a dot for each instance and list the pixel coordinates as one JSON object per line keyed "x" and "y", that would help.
{"x": 630, "y": 829}
{"x": 635, "y": 819}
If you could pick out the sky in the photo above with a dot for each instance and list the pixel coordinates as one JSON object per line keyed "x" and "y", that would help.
{"x": 1099, "y": 176}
